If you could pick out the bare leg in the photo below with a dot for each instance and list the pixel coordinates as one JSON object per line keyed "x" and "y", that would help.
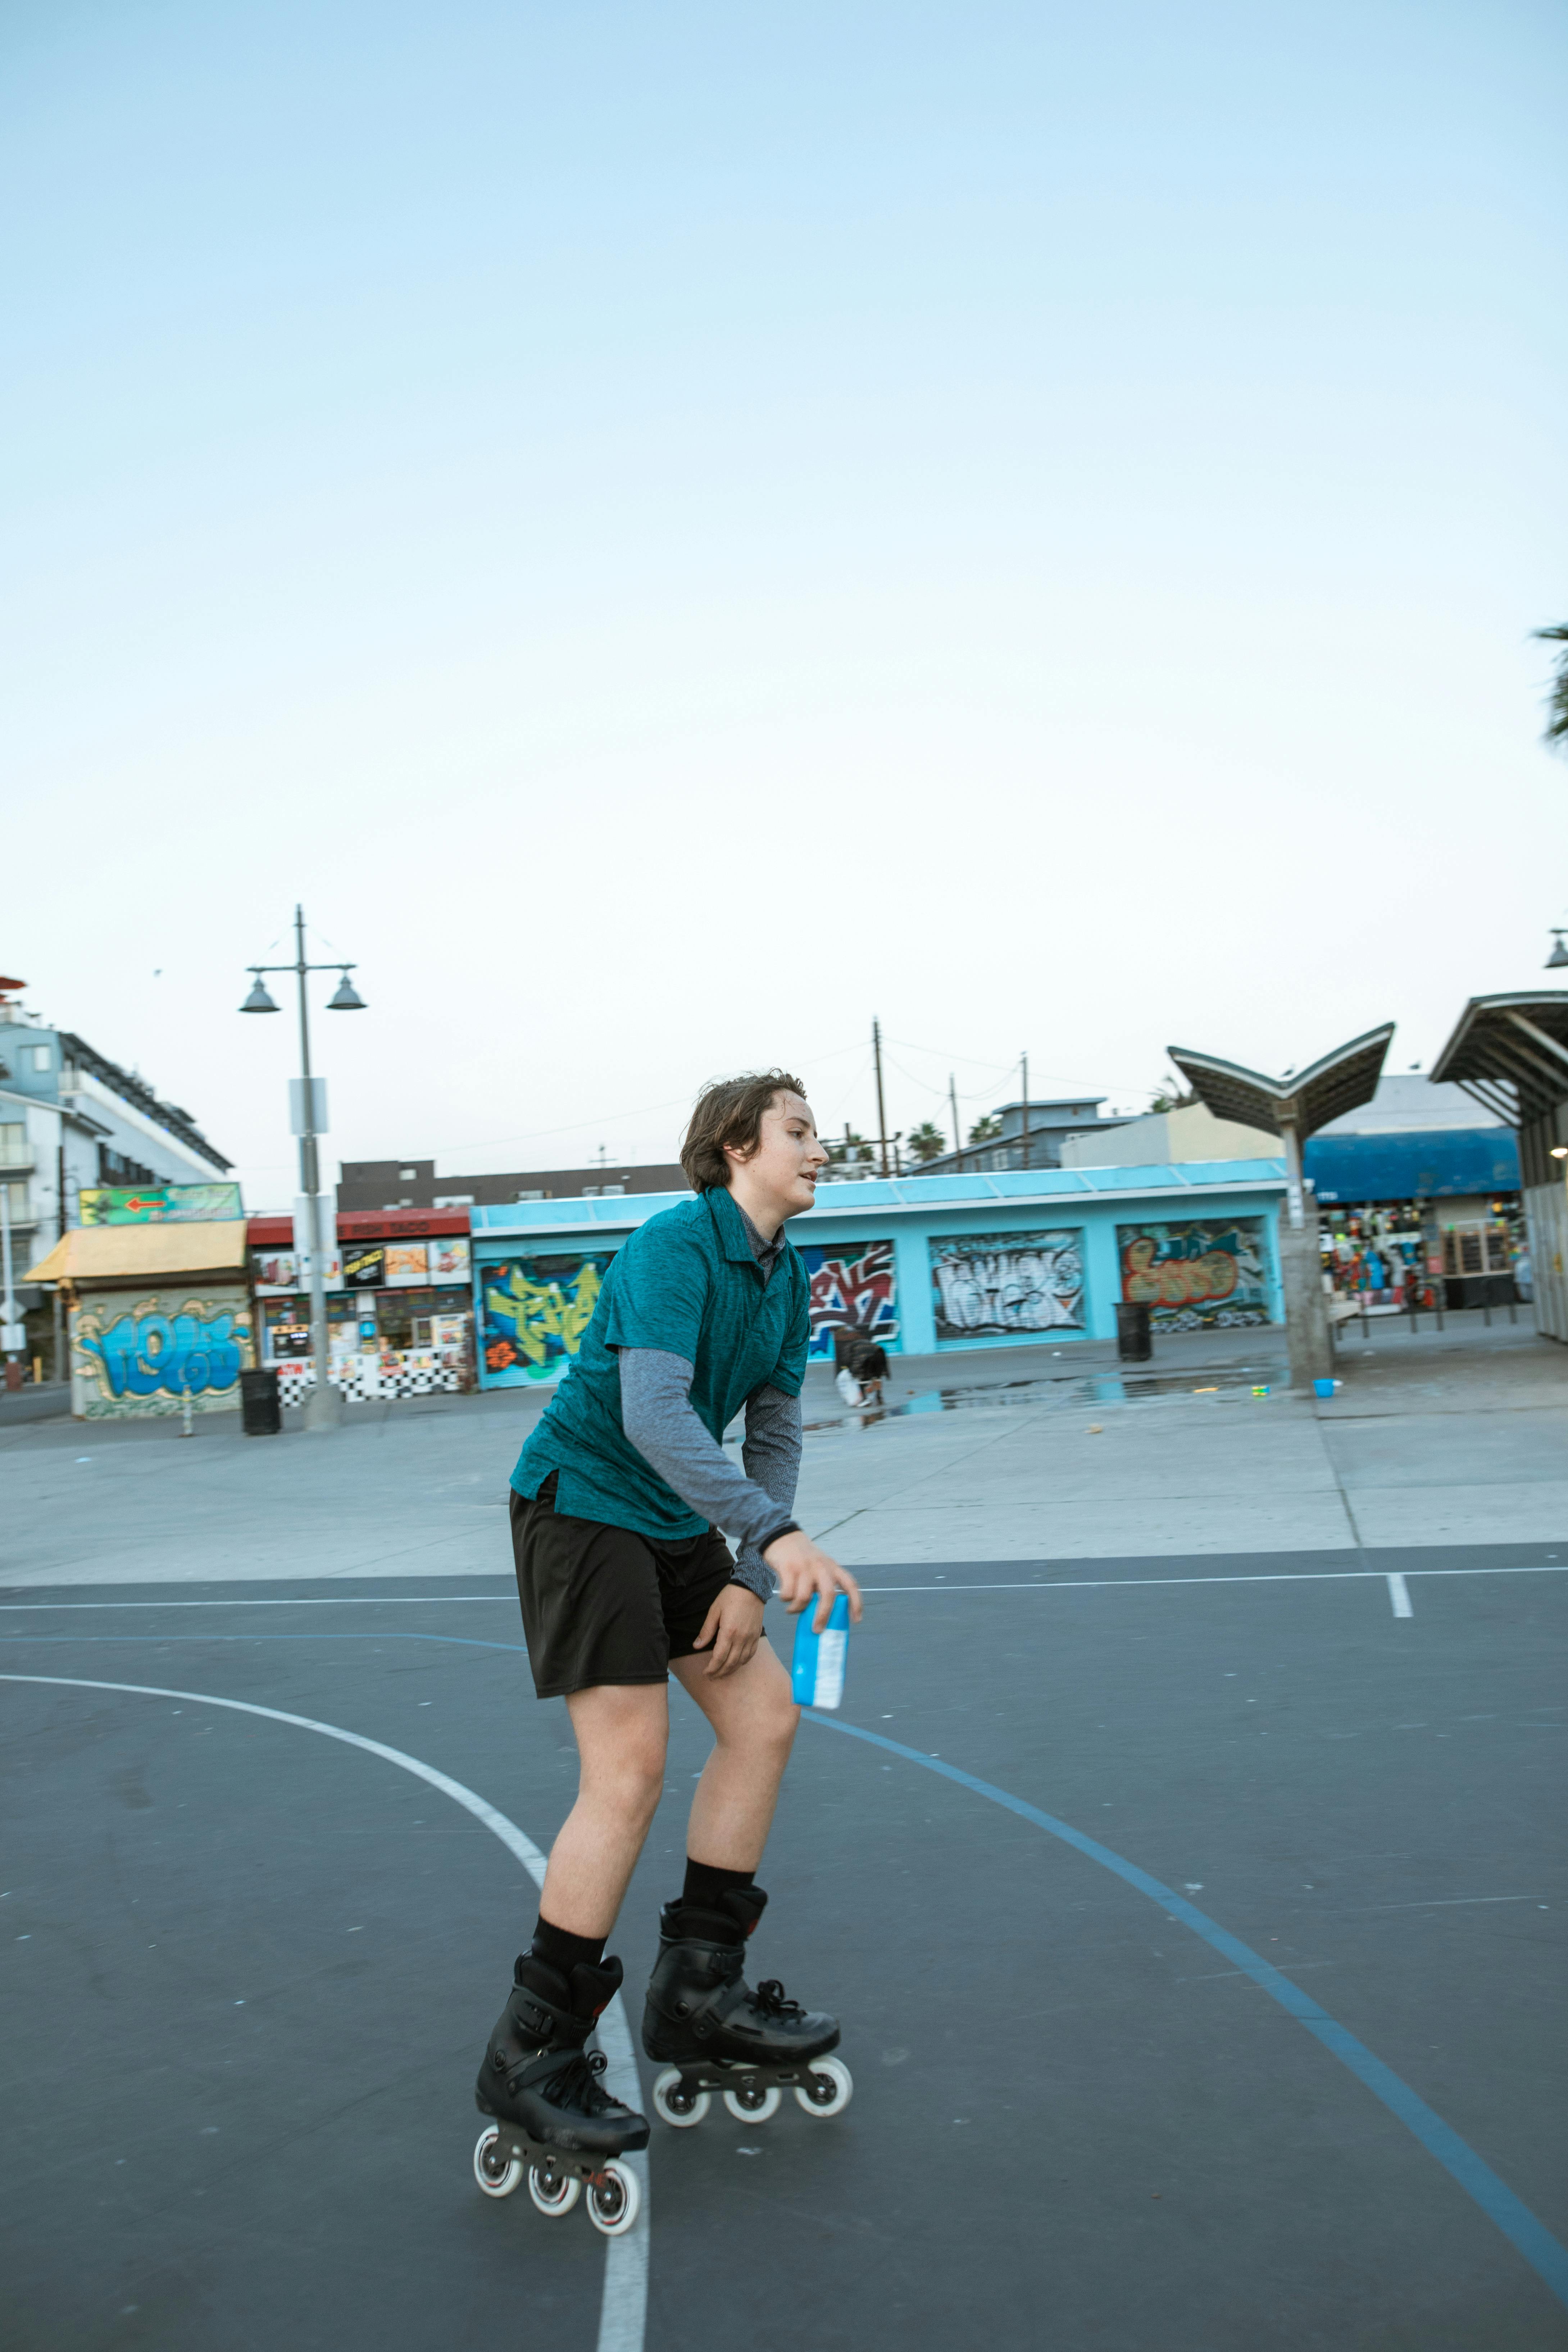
{"x": 753, "y": 1717}
{"x": 622, "y": 1731}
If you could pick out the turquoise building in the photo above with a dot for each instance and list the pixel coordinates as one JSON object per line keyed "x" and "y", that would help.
{"x": 927, "y": 1264}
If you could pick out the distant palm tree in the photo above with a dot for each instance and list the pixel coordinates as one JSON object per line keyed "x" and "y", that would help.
{"x": 926, "y": 1142}
{"x": 986, "y": 1129}
{"x": 1556, "y": 734}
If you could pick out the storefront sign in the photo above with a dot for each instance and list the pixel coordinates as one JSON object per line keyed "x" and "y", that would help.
{"x": 989, "y": 1285}
{"x": 450, "y": 1258}
{"x": 160, "y": 1204}
{"x": 407, "y": 1266}
{"x": 364, "y": 1264}
{"x": 278, "y": 1272}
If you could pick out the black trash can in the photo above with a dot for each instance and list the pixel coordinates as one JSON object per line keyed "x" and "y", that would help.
{"x": 260, "y": 1406}
{"x": 1133, "y": 1341}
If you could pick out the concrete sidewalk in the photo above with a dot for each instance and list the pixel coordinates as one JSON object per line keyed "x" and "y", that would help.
{"x": 1438, "y": 1438}
{"x": 1011, "y": 1455}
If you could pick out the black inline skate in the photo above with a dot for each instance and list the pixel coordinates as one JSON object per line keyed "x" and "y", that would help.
{"x": 550, "y": 2117}
{"x": 710, "y": 2031}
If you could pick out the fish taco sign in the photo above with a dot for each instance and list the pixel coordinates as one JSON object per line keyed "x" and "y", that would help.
{"x": 136, "y": 1357}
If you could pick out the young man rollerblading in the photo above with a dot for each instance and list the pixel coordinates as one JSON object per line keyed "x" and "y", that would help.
{"x": 617, "y": 1502}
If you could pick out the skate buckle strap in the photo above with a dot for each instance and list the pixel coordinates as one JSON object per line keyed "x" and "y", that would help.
{"x": 771, "y": 2000}
{"x": 568, "y": 2072}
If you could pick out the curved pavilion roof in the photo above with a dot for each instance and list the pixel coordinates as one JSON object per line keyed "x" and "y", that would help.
{"x": 1306, "y": 1099}
{"x": 1510, "y": 1052}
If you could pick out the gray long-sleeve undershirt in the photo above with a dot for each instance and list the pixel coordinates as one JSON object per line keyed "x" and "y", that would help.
{"x": 658, "y": 1417}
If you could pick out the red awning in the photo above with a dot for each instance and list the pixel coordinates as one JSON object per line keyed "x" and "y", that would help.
{"x": 366, "y": 1225}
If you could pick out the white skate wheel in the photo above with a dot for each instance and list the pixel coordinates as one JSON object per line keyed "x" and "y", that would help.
{"x": 827, "y": 2088}
{"x": 681, "y": 2109}
{"x": 558, "y": 2199}
{"x": 497, "y": 2171}
{"x": 753, "y": 2104}
{"x": 615, "y": 2199}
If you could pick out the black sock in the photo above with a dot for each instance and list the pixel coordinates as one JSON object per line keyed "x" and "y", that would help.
{"x": 559, "y": 1948}
{"x": 705, "y": 1881}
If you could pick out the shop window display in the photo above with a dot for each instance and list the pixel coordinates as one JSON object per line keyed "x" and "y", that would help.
{"x": 1392, "y": 1257}
{"x": 382, "y": 1341}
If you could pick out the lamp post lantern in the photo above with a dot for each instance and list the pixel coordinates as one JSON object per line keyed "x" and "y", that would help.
{"x": 308, "y": 1095}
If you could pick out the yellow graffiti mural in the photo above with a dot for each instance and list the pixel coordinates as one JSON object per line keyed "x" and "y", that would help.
{"x": 539, "y": 1312}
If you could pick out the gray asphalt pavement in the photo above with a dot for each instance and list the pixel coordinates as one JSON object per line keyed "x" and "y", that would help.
{"x": 258, "y": 1967}
{"x": 1189, "y": 1885}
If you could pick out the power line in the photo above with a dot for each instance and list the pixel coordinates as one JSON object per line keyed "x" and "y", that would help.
{"x": 605, "y": 1117}
{"x": 976, "y": 1095}
{"x": 978, "y": 1060}
{"x": 1052, "y": 1077}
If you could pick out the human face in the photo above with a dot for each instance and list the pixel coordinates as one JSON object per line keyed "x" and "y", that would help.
{"x": 779, "y": 1179}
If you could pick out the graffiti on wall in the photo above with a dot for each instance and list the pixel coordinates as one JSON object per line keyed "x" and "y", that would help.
{"x": 536, "y": 1310}
{"x": 144, "y": 1356}
{"x": 989, "y": 1285}
{"x": 853, "y": 1288}
{"x": 1196, "y": 1276}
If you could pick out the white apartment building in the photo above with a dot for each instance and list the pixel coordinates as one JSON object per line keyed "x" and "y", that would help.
{"x": 70, "y": 1119}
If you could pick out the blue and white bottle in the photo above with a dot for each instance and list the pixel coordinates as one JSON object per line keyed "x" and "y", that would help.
{"x": 820, "y": 1658}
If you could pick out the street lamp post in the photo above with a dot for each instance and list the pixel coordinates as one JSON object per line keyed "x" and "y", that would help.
{"x": 324, "y": 1408}
{"x": 13, "y": 1332}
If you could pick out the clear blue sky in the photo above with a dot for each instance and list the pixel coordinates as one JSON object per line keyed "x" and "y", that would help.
{"x": 675, "y": 529}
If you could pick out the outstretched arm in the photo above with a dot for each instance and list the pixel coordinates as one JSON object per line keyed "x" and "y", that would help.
{"x": 658, "y": 1417}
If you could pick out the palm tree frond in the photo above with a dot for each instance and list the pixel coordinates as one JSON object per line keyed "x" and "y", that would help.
{"x": 1555, "y": 735}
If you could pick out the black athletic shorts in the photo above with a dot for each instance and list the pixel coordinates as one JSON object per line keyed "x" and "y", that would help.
{"x": 601, "y": 1604}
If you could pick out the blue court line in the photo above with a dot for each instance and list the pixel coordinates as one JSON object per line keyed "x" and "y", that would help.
{"x": 1530, "y": 2238}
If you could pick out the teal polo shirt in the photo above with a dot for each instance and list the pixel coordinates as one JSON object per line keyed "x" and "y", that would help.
{"x": 686, "y": 1283}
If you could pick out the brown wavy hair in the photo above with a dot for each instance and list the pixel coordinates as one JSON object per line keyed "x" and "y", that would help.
{"x": 730, "y": 1112}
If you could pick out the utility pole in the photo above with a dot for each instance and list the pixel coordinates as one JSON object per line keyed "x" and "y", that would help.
{"x": 881, "y": 1112}
{"x": 324, "y": 1407}
{"x": 1026, "y": 1062}
{"x": 953, "y": 1102}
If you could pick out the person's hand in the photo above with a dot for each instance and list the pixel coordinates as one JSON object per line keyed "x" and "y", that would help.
{"x": 734, "y": 1626}
{"x": 805, "y": 1569}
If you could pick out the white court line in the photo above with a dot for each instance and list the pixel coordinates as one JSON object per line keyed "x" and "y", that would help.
{"x": 1026, "y": 1584}
{"x": 1399, "y": 1597}
{"x": 623, "y": 2312}
{"x": 1281, "y": 1576}
{"x": 1437, "y": 1903}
